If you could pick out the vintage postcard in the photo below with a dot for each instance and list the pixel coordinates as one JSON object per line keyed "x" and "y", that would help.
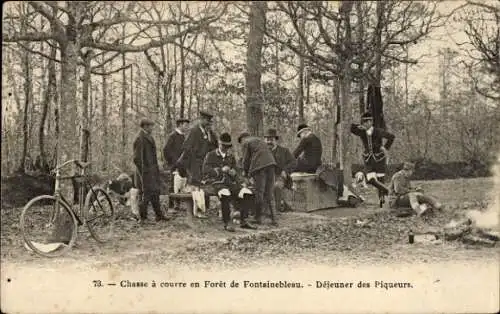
{"x": 250, "y": 157}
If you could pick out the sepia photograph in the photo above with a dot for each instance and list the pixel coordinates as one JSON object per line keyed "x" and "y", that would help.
{"x": 250, "y": 156}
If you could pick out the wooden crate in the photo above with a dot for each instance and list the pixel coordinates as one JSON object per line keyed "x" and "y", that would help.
{"x": 310, "y": 193}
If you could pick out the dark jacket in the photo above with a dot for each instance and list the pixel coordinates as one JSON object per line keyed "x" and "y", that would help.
{"x": 213, "y": 164}
{"x": 173, "y": 148}
{"x": 194, "y": 149}
{"x": 311, "y": 149}
{"x": 284, "y": 162}
{"x": 372, "y": 144}
{"x": 147, "y": 176}
{"x": 256, "y": 155}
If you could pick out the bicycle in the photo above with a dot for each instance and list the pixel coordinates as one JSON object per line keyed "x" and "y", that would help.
{"x": 54, "y": 212}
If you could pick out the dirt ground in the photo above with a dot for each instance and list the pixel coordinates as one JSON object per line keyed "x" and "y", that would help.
{"x": 341, "y": 236}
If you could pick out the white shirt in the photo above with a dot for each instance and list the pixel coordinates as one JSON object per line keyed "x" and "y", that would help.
{"x": 222, "y": 154}
{"x": 370, "y": 131}
{"x": 179, "y": 131}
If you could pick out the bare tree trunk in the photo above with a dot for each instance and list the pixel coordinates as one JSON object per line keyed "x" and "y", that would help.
{"x": 48, "y": 99}
{"x": 183, "y": 83}
{"x": 254, "y": 103}
{"x": 345, "y": 148}
{"x": 337, "y": 127}
{"x": 84, "y": 119}
{"x": 123, "y": 116}
{"x": 28, "y": 97}
{"x": 105, "y": 148}
{"x": 191, "y": 82}
{"x": 300, "y": 82}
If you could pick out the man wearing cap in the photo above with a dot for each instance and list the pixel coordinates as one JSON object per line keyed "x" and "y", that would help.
{"x": 171, "y": 152}
{"x": 147, "y": 176}
{"x": 199, "y": 141}
{"x": 402, "y": 195}
{"x": 375, "y": 152}
{"x": 285, "y": 163}
{"x": 220, "y": 174}
{"x": 259, "y": 164}
{"x": 308, "y": 152}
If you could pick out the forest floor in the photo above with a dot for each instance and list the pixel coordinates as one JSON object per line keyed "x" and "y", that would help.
{"x": 340, "y": 236}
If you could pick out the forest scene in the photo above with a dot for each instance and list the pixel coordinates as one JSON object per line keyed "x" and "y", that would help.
{"x": 79, "y": 76}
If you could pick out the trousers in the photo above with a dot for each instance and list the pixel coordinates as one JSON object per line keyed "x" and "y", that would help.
{"x": 264, "y": 191}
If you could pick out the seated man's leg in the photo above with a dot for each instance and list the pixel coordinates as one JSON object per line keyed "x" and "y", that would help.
{"x": 372, "y": 179}
{"x": 278, "y": 192}
{"x": 225, "y": 201}
{"x": 244, "y": 200}
{"x": 426, "y": 199}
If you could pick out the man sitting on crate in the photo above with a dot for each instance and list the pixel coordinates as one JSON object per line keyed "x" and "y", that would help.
{"x": 221, "y": 177}
{"x": 285, "y": 165}
{"x": 402, "y": 195}
{"x": 309, "y": 150}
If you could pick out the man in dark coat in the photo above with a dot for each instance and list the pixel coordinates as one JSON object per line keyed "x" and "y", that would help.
{"x": 171, "y": 152}
{"x": 221, "y": 176}
{"x": 375, "y": 152}
{"x": 147, "y": 171}
{"x": 309, "y": 150}
{"x": 285, "y": 163}
{"x": 259, "y": 164}
{"x": 199, "y": 141}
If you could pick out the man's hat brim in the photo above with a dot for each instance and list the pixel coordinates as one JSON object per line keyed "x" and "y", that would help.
{"x": 228, "y": 144}
{"x": 182, "y": 121}
{"x": 302, "y": 130}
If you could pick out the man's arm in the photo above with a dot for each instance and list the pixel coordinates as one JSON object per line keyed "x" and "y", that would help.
{"x": 356, "y": 129}
{"x": 167, "y": 155}
{"x": 389, "y": 138}
{"x": 138, "y": 154}
{"x": 246, "y": 157}
{"x": 187, "y": 147}
{"x": 209, "y": 168}
{"x": 289, "y": 161}
{"x": 401, "y": 185}
{"x": 300, "y": 148}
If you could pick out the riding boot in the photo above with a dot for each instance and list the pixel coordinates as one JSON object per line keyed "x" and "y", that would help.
{"x": 382, "y": 188}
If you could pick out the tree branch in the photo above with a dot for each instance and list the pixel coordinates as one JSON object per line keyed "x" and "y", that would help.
{"x": 30, "y": 36}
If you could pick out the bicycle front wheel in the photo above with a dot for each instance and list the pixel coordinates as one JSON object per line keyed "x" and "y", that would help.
{"x": 48, "y": 225}
{"x": 99, "y": 214}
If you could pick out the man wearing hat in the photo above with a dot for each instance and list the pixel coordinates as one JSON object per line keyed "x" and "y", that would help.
{"x": 199, "y": 141}
{"x": 259, "y": 164}
{"x": 220, "y": 174}
{"x": 147, "y": 176}
{"x": 285, "y": 165}
{"x": 308, "y": 152}
{"x": 401, "y": 193}
{"x": 171, "y": 152}
{"x": 375, "y": 152}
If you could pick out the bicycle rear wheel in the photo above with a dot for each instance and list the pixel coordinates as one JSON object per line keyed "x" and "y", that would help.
{"x": 48, "y": 225}
{"x": 99, "y": 214}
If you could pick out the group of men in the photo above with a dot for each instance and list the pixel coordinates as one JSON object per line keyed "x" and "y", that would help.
{"x": 204, "y": 164}
{"x": 400, "y": 192}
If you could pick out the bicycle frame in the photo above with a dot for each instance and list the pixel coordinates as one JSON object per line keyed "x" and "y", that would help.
{"x": 57, "y": 189}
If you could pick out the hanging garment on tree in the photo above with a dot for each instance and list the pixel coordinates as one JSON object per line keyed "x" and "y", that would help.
{"x": 375, "y": 106}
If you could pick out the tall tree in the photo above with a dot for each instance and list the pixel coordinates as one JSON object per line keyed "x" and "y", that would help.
{"x": 254, "y": 99}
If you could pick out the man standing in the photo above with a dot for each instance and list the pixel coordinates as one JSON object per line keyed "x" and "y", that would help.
{"x": 172, "y": 152}
{"x": 147, "y": 176}
{"x": 401, "y": 194}
{"x": 309, "y": 150}
{"x": 259, "y": 164}
{"x": 220, "y": 174}
{"x": 375, "y": 153}
{"x": 285, "y": 164}
{"x": 199, "y": 141}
